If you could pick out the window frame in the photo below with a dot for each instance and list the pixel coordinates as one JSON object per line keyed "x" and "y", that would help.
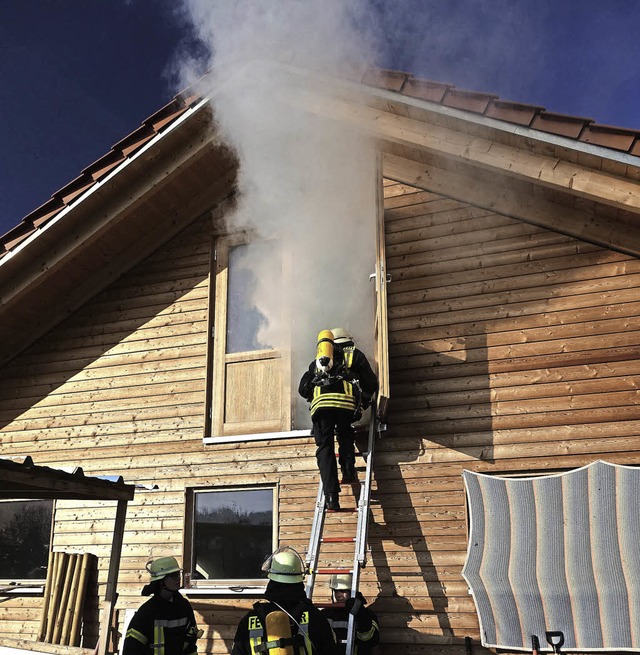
{"x": 223, "y": 586}
{"x": 220, "y": 360}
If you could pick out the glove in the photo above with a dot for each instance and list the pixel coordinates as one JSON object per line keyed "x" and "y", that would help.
{"x": 356, "y": 606}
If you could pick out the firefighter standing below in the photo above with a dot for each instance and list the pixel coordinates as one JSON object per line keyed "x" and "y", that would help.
{"x": 366, "y": 623}
{"x": 286, "y": 622}
{"x": 337, "y": 398}
{"x": 165, "y": 624}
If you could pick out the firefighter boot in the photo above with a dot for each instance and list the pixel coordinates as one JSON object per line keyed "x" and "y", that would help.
{"x": 332, "y": 501}
{"x": 349, "y": 471}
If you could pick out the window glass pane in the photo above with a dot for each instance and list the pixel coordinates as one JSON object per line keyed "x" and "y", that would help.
{"x": 244, "y": 319}
{"x": 25, "y": 532}
{"x": 233, "y": 534}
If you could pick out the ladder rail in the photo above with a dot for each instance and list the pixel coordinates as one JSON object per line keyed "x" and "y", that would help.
{"x": 364, "y": 504}
{"x": 313, "y": 552}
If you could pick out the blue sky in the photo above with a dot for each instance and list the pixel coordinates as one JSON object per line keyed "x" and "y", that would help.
{"x": 78, "y": 75}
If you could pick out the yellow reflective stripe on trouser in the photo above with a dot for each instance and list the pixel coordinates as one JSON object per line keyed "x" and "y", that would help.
{"x": 138, "y": 636}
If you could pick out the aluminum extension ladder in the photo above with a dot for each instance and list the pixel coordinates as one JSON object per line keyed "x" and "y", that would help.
{"x": 360, "y": 538}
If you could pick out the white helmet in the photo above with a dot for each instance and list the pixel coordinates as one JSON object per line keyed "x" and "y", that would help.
{"x": 340, "y": 335}
{"x": 284, "y": 565}
{"x": 341, "y": 581}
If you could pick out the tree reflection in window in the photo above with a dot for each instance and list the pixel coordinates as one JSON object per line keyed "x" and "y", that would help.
{"x": 244, "y": 320}
{"x": 233, "y": 533}
{"x": 25, "y": 534}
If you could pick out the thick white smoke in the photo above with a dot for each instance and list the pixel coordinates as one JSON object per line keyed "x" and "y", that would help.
{"x": 305, "y": 183}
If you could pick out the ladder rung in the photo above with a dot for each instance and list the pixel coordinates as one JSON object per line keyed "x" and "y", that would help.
{"x": 337, "y": 540}
{"x": 332, "y": 571}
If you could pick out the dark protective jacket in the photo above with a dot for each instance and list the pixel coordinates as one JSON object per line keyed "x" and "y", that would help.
{"x": 367, "y": 630}
{"x": 337, "y": 390}
{"x": 292, "y": 599}
{"x": 162, "y": 627}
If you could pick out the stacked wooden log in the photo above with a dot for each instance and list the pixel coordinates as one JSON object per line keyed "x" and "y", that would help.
{"x": 64, "y": 595}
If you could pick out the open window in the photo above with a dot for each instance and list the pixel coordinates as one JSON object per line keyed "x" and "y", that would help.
{"x": 249, "y": 394}
{"x": 229, "y": 533}
{"x": 25, "y": 539}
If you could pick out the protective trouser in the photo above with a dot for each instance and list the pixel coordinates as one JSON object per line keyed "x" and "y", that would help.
{"x": 325, "y": 423}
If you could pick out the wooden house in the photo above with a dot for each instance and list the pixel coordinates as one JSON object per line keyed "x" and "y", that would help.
{"x": 508, "y": 286}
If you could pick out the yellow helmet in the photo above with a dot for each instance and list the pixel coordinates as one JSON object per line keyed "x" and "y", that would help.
{"x": 341, "y": 581}
{"x": 340, "y": 335}
{"x": 284, "y": 565}
{"x": 161, "y": 567}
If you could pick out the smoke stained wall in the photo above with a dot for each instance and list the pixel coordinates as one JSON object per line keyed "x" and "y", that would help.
{"x": 306, "y": 184}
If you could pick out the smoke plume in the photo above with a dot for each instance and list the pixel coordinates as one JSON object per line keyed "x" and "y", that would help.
{"x": 306, "y": 184}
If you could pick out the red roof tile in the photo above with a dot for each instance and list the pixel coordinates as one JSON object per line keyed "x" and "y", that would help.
{"x": 102, "y": 166}
{"x": 425, "y": 89}
{"x": 560, "y": 124}
{"x": 609, "y": 137}
{"x": 512, "y": 112}
{"x": 467, "y": 100}
{"x": 384, "y": 79}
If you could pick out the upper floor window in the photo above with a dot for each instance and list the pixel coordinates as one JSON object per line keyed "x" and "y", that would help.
{"x": 25, "y": 538}
{"x": 249, "y": 394}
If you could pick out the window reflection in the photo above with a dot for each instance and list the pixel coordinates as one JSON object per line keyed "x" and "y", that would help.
{"x": 244, "y": 319}
{"x": 25, "y": 533}
{"x": 233, "y": 533}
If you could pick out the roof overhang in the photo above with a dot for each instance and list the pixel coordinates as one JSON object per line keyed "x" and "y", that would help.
{"x": 568, "y": 186}
{"x": 177, "y": 176}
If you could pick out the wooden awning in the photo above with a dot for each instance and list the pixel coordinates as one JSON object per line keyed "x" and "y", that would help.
{"x": 21, "y": 478}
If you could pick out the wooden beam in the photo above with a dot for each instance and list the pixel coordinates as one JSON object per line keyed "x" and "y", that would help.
{"x": 504, "y": 200}
{"x": 550, "y": 172}
{"x": 111, "y": 594}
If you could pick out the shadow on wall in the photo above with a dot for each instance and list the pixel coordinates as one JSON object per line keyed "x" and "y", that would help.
{"x": 417, "y": 532}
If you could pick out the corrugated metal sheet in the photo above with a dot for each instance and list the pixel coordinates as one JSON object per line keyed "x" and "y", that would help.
{"x": 556, "y": 553}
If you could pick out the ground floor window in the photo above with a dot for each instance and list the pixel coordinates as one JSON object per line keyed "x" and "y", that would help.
{"x": 230, "y": 532}
{"x": 25, "y": 537}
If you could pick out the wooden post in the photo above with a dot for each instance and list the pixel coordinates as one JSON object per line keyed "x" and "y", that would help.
{"x": 56, "y": 593}
{"x": 74, "y": 637}
{"x": 64, "y": 598}
{"x": 111, "y": 595}
{"x": 71, "y": 601}
{"x": 42, "y": 630}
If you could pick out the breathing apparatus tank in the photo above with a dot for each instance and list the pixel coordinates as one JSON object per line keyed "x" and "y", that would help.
{"x": 278, "y": 627}
{"x": 324, "y": 351}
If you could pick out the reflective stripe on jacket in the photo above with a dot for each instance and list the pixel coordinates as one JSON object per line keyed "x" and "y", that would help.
{"x": 339, "y": 395}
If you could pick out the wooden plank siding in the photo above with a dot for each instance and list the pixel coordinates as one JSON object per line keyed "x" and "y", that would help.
{"x": 512, "y": 349}
{"x": 125, "y": 371}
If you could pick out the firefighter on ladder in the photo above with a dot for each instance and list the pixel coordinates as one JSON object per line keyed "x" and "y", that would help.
{"x": 339, "y": 384}
{"x": 367, "y": 633}
{"x": 286, "y": 622}
{"x": 165, "y": 624}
